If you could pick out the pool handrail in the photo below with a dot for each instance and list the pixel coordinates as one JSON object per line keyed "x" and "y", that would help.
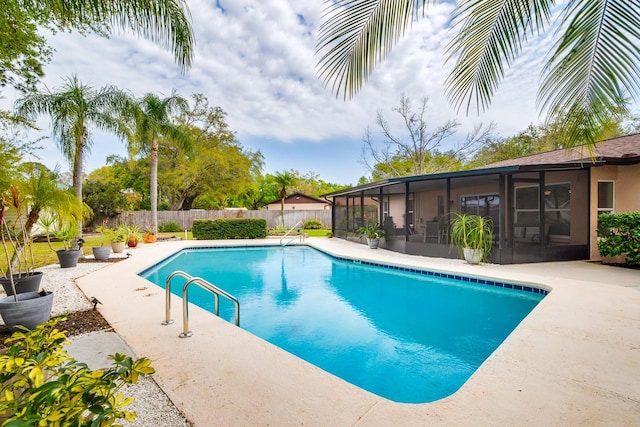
{"x": 185, "y": 300}
{"x": 288, "y": 232}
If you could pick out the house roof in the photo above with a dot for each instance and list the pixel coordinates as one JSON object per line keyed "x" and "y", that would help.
{"x": 620, "y": 150}
{"x": 298, "y": 197}
{"x": 616, "y": 151}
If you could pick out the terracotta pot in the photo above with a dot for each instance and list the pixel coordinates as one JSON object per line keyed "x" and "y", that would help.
{"x": 132, "y": 243}
{"x": 149, "y": 238}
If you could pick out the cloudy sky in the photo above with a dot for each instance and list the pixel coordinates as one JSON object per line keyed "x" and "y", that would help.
{"x": 256, "y": 60}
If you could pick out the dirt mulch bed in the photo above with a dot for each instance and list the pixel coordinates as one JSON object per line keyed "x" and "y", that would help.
{"x": 77, "y": 323}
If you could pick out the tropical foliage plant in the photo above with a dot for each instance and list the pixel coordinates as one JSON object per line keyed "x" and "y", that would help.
{"x": 619, "y": 234}
{"x": 590, "y": 70}
{"x": 38, "y": 193}
{"x": 472, "y": 232}
{"x": 40, "y": 384}
{"x": 371, "y": 230}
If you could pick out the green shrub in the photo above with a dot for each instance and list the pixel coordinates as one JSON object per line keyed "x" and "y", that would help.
{"x": 229, "y": 228}
{"x": 42, "y": 385}
{"x": 619, "y": 234}
{"x": 312, "y": 224}
{"x": 169, "y": 227}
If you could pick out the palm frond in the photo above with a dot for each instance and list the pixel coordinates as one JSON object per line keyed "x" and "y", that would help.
{"x": 594, "y": 67}
{"x": 356, "y": 35}
{"x": 490, "y": 36}
{"x": 164, "y": 22}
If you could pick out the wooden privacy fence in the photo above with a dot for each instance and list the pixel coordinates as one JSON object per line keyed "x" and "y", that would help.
{"x": 185, "y": 218}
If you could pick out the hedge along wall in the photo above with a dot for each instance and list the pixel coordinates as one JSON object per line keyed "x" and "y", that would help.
{"x": 239, "y": 228}
{"x": 185, "y": 218}
{"x": 619, "y": 234}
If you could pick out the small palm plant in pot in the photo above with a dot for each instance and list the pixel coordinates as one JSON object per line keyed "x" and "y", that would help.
{"x": 27, "y": 308}
{"x": 373, "y": 232}
{"x": 473, "y": 235}
{"x": 65, "y": 232}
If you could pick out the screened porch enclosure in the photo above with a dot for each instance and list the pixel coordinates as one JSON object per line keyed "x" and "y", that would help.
{"x": 537, "y": 215}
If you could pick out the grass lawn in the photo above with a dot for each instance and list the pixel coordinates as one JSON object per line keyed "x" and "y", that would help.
{"x": 43, "y": 255}
{"x": 317, "y": 233}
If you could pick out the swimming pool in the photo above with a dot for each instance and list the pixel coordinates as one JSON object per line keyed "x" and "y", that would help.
{"x": 405, "y": 335}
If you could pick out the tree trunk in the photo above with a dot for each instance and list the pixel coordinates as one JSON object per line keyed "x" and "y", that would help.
{"x": 77, "y": 176}
{"x": 153, "y": 191}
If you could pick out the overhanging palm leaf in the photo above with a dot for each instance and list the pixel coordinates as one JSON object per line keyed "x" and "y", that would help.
{"x": 164, "y": 22}
{"x": 594, "y": 67}
{"x": 490, "y": 33}
{"x": 356, "y": 35}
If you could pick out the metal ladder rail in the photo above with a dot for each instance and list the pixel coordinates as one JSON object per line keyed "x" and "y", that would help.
{"x": 185, "y": 300}
{"x": 288, "y": 232}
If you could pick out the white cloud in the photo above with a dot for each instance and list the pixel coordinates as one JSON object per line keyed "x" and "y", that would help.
{"x": 257, "y": 61}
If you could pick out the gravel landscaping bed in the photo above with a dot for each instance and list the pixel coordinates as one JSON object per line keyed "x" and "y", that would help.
{"x": 151, "y": 404}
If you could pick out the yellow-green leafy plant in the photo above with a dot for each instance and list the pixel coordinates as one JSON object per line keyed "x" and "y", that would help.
{"x": 43, "y": 385}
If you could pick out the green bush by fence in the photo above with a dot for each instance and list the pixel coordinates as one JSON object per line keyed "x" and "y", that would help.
{"x": 232, "y": 228}
{"x": 169, "y": 227}
{"x": 619, "y": 234}
{"x": 312, "y": 224}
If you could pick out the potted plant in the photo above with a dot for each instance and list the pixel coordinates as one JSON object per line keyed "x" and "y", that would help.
{"x": 118, "y": 238}
{"x": 20, "y": 275}
{"x": 473, "y": 235}
{"x": 149, "y": 235}
{"x": 103, "y": 251}
{"x": 65, "y": 231}
{"x": 373, "y": 232}
{"x": 27, "y": 308}
{"x": 133, "y": 236}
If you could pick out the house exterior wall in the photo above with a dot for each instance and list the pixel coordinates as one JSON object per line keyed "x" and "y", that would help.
{"x": 299, "y": 206}
{"x": 626, "y": 196}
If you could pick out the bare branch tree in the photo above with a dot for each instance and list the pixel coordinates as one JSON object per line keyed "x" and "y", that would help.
{"x": 419, "y": 150}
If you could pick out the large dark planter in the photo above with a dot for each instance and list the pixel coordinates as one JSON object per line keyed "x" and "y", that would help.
{"x": 101, "y": 252}
{"x": 31, "y": 309}
{"x": 68, "y": 258}
{"x": 23, "y": 282}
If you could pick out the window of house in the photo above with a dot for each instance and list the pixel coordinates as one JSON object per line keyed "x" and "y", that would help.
{"x": 557, "y": 207}
{"x": 605, "y": 197}
{"x": 481, "y": 204}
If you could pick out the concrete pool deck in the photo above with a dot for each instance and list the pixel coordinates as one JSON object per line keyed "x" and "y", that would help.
{"x": 574, "y": 360}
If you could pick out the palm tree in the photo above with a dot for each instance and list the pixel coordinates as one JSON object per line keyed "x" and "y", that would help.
{"x": 41, "y": 191}
{"x": 593, "y": 66}
{"x": 74, "y": 108}
{"x": 153, "y": 122}
{"x": 283, "y": 180}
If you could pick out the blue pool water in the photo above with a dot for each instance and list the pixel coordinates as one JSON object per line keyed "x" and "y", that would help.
{"x": 405, "y": 336}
